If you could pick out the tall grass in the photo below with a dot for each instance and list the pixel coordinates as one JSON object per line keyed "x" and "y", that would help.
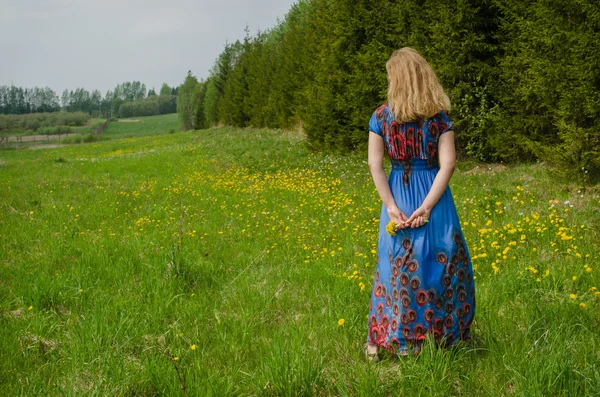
{"x": 220, "y": 263}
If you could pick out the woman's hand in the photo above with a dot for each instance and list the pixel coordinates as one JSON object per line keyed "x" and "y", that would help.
{"x": 398, "y": 217}
{"x": 419, "y": 217}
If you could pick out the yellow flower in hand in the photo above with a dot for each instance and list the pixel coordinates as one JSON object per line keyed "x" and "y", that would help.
{"x": 391, "y": 228}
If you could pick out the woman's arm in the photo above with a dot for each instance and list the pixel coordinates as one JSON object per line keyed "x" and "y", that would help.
{"x": 375, "y": 161}
{"x": 447, "y": 157}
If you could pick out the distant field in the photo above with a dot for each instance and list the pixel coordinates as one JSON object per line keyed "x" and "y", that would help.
{"x": 121, "y": 128}
{"x": 237, "y": 263}
{"x": 143, "y": 126}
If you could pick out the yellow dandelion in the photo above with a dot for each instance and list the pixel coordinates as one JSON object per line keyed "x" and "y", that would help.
{"x": 582, "y": 305}
{"x": 574, "y": 278}
{"x": 589, "y": 269}
{"x": 193, "y": 347}
{"x": 175, "y": 358}
{"x": 341, "y": 322}
{"x": 573, "y": 296}
{"x": 391, "y": 228}
{"x": 30, "y": 308}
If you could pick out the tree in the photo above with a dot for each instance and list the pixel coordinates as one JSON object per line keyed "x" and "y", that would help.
{"x": 165, "y": 90}
{"x": 185, "y": 103}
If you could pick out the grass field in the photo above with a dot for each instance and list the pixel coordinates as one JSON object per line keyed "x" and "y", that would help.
{"x": 143, "y": 126}
{"x": 222, "y": 262}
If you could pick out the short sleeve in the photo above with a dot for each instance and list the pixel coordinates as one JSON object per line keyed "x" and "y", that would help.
{"x": 375, "y": 124}
{"x": 445, "y": 123}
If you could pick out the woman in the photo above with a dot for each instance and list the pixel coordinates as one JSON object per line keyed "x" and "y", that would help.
{"x": 423, "y": 282}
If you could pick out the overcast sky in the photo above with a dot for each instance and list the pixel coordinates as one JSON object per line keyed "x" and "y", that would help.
{"x": 97, "y": 44}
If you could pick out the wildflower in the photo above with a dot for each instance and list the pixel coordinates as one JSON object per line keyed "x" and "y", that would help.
{"x": 175, "y": 358}
{"x": 30, "y": 307}
{"x": 341, "y": 322}
{"x": 573, "y": 296}
{"x": 574, "y": 278}
{"x": 589, "y": 269}
{"x": 582, "y": 305}
{"x": 565, "y": 237}
{"x": 391, "y": 228}
{"x": 193, "y": 347}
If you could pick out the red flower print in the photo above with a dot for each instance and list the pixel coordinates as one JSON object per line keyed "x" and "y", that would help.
{"x": 428, "y": 315}
{"x": 441, "y": 258}
{"x": 415, "y": 283}
{"x": 421, "y": 297}
{"x": 413, "y": 265}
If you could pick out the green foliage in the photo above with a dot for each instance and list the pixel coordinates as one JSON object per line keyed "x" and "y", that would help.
{"x": 87, "y": 138}
{"x": 165, "y": 90}
{"x": 550, "y": 96}
{"x": 190, "y": 104}
{"x": 57, "y": 130}
{"x": 167, "y": 104}
{"x": 523, "y": 77}
{"x": 19, "y": 100}
{"x": 142, "y": 107}
{"x": 41, "y": 121}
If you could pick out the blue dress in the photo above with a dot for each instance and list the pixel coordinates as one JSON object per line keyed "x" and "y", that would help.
{"x": 423, "y": 282}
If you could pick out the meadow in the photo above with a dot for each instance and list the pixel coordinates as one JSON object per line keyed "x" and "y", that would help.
{"x": 237, "y": 262}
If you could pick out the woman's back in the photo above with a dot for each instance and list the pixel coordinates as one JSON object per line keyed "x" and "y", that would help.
{"x": 412, "y": 140}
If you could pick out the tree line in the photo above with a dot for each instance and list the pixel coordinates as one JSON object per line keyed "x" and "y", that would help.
{"x": 523, "y": 77}
{"x": 125, "y": 100}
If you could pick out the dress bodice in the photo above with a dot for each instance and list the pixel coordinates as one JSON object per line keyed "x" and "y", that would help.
{"x": 405, "y": 142}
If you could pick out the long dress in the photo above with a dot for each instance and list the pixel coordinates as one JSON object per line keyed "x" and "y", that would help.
{"x": 423, "y": 283}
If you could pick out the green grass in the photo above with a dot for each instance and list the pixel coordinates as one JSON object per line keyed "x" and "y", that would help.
{"x": 143, "y": 126}
{"x": 237, "y": 252}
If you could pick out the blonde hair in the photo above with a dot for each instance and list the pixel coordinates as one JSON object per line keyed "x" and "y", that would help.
{"x": 414, "y": 90}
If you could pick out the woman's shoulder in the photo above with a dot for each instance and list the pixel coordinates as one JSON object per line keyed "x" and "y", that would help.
{"x": 382, "y": 109}
{"x": 382, "y": 112}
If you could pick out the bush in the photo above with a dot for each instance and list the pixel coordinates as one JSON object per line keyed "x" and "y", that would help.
{"x": 87, "y": 138}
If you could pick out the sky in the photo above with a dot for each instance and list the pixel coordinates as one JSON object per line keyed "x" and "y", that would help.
{"x": 97, "y": 44}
